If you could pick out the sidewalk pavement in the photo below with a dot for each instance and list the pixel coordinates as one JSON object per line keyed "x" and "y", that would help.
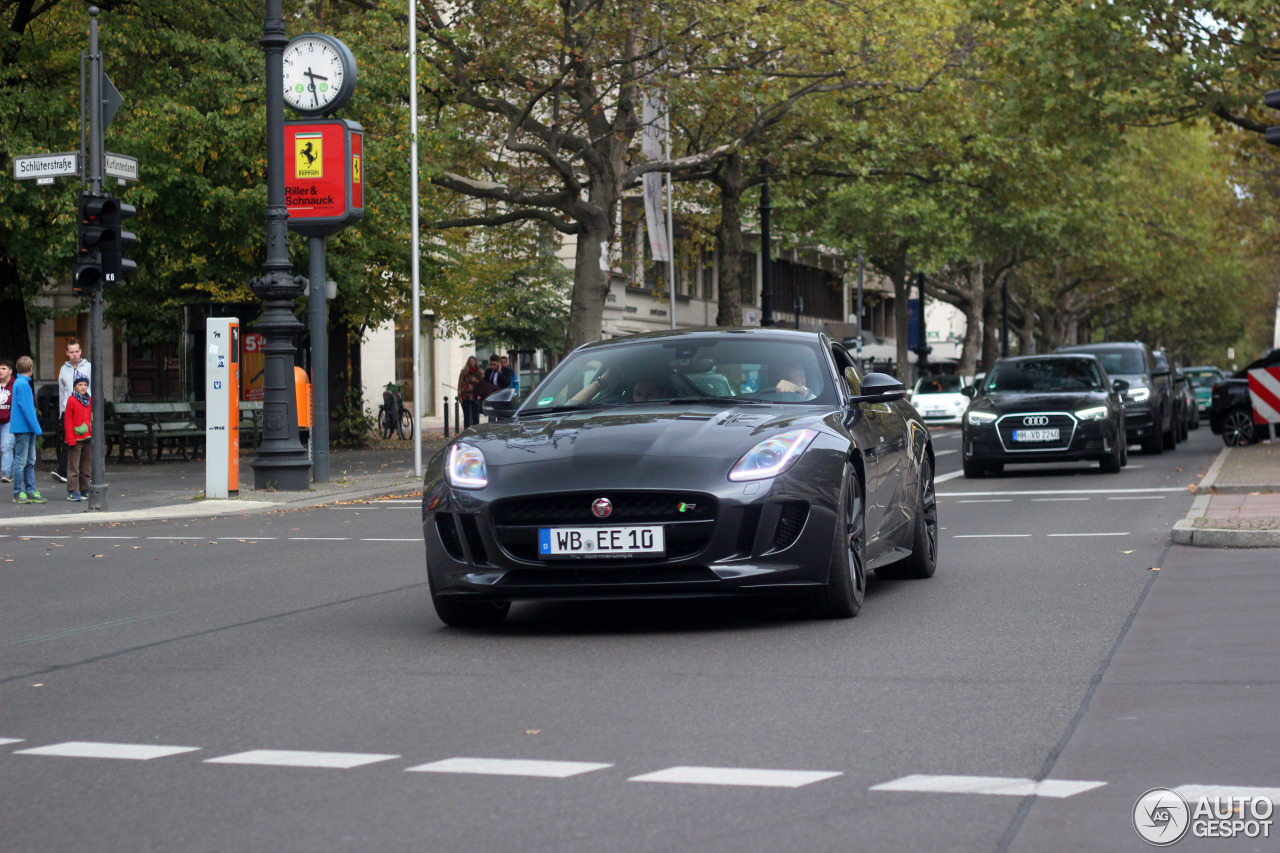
{"x": 1239, "y": 501}
{"x": 174, "y": 488}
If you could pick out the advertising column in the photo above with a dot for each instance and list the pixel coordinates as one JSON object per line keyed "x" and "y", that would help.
{"x": 222, "y": 407}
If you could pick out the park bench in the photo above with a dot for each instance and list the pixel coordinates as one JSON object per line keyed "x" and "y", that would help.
{"x": 150, "y": 428}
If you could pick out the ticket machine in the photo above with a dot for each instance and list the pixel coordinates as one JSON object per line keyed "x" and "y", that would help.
{"x": 222, "y": 407}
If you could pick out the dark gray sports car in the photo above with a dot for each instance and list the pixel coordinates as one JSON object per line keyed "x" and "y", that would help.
{"x": 727, "y": 461}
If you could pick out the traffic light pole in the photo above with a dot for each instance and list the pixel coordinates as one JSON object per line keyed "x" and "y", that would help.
{"x": 99, "y": 491}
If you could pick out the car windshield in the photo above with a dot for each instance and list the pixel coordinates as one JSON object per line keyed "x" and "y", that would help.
{"x": 745, "y": 369}
{"x": 1044, "y": 374}
{"x": 1204, "y": 378}
{"x": 1121, "y": 361}
{"x": 939, "y": 385}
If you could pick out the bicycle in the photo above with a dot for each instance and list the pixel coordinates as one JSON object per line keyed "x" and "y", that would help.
{"x": 393, "y": 417}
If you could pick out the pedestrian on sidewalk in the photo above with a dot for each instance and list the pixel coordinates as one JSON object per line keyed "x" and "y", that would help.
{"x": 467, "y": 379}
{"x": 74, "y": 366}
{"x": 6, "y": 407}
{"x": 24, "y": 423}
{"x": 77, "y": 435}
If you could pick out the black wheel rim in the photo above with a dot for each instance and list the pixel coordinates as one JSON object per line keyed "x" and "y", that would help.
{"x": 854, "y": 523}
{"x": 1238, "y": 428}
{"x": 929, "y": 510}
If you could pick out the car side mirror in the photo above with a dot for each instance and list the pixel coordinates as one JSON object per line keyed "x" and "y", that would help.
{"x": 969, "y": 391}
{"x": 1119, "y": 385}
{"x": 879, "y": 388}
{"x": 499, "y": 404}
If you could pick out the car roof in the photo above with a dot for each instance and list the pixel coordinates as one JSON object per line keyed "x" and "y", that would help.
{"x": 1103, "y": 345}
{"x": 767, "y": 333}
{"x": 1013, "y": 359}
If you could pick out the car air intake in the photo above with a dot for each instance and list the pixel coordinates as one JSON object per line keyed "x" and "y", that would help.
{"x": 790, "y": 523}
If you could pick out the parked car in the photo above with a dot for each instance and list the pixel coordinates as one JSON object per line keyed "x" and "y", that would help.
{"x": 1148, "y": 402}
{"x": 1202, "y": 379}
{"x": 1231, "y": 410}
{"x": 1044, "y": 408}
{"x": 705, "y": 463}
{"x": 1190, "y": 411}
{"x": 1182, "y": 396}
{"x": 939, "y": 400}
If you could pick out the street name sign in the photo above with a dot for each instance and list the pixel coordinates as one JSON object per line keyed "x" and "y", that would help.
{"x": 43, "y": 168}
{"x": 121, "y": 166}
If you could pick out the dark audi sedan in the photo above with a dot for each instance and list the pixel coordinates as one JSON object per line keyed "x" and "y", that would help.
{"x": 718, "y": 462}
{"x": 1044, "y": 408}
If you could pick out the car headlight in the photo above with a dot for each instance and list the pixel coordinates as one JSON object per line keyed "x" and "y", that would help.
{"x": 980, "y": 418}
{"x": 1097, "y": 413}
{"x": 772, "y": 456}
{"x": 466, "y": 468}
{"x": 1138, "y": 395}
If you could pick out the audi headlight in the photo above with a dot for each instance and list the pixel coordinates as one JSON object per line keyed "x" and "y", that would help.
{"x": 1138, "y": 395}
{"x": 1097, "y": 413}
{"x": 772, "y": 456}
{"x": 466, "y": 468}
{"x": 980, "y": 418}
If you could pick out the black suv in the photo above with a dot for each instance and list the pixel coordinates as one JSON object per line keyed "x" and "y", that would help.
{"x": 1231, "y": 409}
{"x": 1148, "y": 402}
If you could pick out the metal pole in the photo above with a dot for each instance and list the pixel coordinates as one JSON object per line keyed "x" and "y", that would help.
{"x": 413, "y": 216}
{"x": 766, "y": 271}
{"x": 282, "y": 462}
{"x": 671, "y": 228}
{"x": 859, "y": 353}
{"x": 99, "y": 492}
{"x": 319, "y": 317}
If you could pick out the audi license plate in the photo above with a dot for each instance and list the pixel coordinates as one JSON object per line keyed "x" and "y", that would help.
{"x": 600, "y": 541}
{"x": 1035, "y": 435}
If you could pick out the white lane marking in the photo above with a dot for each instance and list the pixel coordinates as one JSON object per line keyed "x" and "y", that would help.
{"x": 1139, "y": 498}
{"x": 944, "y": 452}
{"x": 1053, "y": 500}
{"x": 8, "y": 740}
{"x": 34, "y": 536}
{"x": 418, "y": 539}
{"x": 1060, "y": 492}
{"x": 988, "y": 501}
{"x": 1123, "y": 533}
{"x": 509, "y": 767}
{"x": 177, "y": 537}
{"x": 90, "y": 749}
{"x": 108, "y": 537}
{"x": 247, "y": 538}
{"x": 992, "y": 536}
{"x": 397, "y": 501}
{"x": 1195, "y": 792}
{"x": 319, "y": 538}
{"x": 742, "y": 776}
{"x": 942, "y": 478}
{"x": 300, "y": 758}
{"x": 1058, "y": 788}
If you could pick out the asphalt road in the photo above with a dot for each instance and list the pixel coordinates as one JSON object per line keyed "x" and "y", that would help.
{"x": 279, "y": 682}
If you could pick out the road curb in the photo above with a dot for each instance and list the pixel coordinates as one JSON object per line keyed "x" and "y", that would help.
{"x": 1211, "y": 476}
{"x": 1186, "y": 533}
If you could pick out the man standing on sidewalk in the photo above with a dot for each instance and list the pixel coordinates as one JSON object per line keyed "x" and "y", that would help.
{"x": 66, "y": 386}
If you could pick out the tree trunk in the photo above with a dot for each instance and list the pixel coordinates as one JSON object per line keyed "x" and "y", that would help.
{"x": 15, "y": 338}
{"x": 731, "y": 182}
{"x": 901, "y": 313}
{"x": 972, "y": 308}
{"x": 590, "y": 282}
{"x": 990, "y": 322}
{"x": 1027, "y": 342}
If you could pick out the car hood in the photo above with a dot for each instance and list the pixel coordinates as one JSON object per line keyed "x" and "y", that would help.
{"x": 637, "y": 432}
{"x": 1022, "y": 402}
{"x": 939, "y": 401}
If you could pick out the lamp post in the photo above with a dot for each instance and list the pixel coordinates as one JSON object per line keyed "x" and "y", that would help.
{"x": 766, "y": 254}
{"x": 282, "y": 462}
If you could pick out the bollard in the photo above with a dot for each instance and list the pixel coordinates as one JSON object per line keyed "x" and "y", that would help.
{"x": 446, "y": 417}
{"x": 457, "y": 415}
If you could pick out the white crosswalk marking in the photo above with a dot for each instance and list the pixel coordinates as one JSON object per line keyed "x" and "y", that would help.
{"x": 297, "y": 758}
{"x": 742, "y": 776}
{"x": 509, "y": 767}
{"x": 8, "y": 740}
{"x": 925, "y": 784}
{"x": 90, "y": 749}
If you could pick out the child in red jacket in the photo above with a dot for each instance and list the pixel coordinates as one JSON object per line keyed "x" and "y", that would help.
{"x": 78, "y": 416}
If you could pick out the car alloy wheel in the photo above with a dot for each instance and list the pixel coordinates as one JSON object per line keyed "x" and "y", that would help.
{"x": 923, "y": 560}
{"x": 1237, "y": 428}
{"x": 842, "y": 596}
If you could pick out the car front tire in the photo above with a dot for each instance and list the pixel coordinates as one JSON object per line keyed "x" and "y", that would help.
{"x": 842, "y": 596}
{"x": 923, "y": 561}
{"x": 1238, "y": 429}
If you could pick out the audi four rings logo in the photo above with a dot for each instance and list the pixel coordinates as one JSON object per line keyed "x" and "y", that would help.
{"x": 602, "y": 508}
{"x": 1036, "y": 420}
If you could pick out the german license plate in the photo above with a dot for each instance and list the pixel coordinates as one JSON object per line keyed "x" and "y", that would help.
{"x": 600, "y": 541}
{"x": 1035, "y": 435}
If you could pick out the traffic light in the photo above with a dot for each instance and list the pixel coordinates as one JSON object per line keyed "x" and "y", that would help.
{"x": 115, "y": 240}
{"x": 1272, "y": 99}
{"x": 86, "y": 275}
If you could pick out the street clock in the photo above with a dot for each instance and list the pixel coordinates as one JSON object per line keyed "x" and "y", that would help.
{"x": 319, "y": 74}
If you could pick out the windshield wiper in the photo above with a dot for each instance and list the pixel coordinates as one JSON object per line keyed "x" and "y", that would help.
{"x": 556, "y": 410}
{"x": 732, "y": 401}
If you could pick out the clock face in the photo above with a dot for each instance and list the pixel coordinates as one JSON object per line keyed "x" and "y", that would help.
{"x": 318, "y": 74}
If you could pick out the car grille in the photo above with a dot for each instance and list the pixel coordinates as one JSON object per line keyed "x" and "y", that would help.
{"x": 1065, "y": 425}
{"x": 516, "y": 521}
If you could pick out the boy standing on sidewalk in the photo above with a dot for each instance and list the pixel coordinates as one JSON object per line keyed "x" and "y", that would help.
{"x": 6, "y": 407}
{"x": 76, "y": 434}
{"x": 74, "y": 366}
{"x": 25, "y": 426}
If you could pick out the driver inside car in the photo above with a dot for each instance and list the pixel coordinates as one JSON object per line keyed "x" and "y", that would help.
{"x": 792, "y": 381}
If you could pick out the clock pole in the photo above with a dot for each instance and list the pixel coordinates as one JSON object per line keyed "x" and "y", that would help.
{"x": 282, "y": 462}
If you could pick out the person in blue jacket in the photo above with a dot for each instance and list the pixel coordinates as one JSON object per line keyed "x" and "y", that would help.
{"x": 24, "y": 424}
